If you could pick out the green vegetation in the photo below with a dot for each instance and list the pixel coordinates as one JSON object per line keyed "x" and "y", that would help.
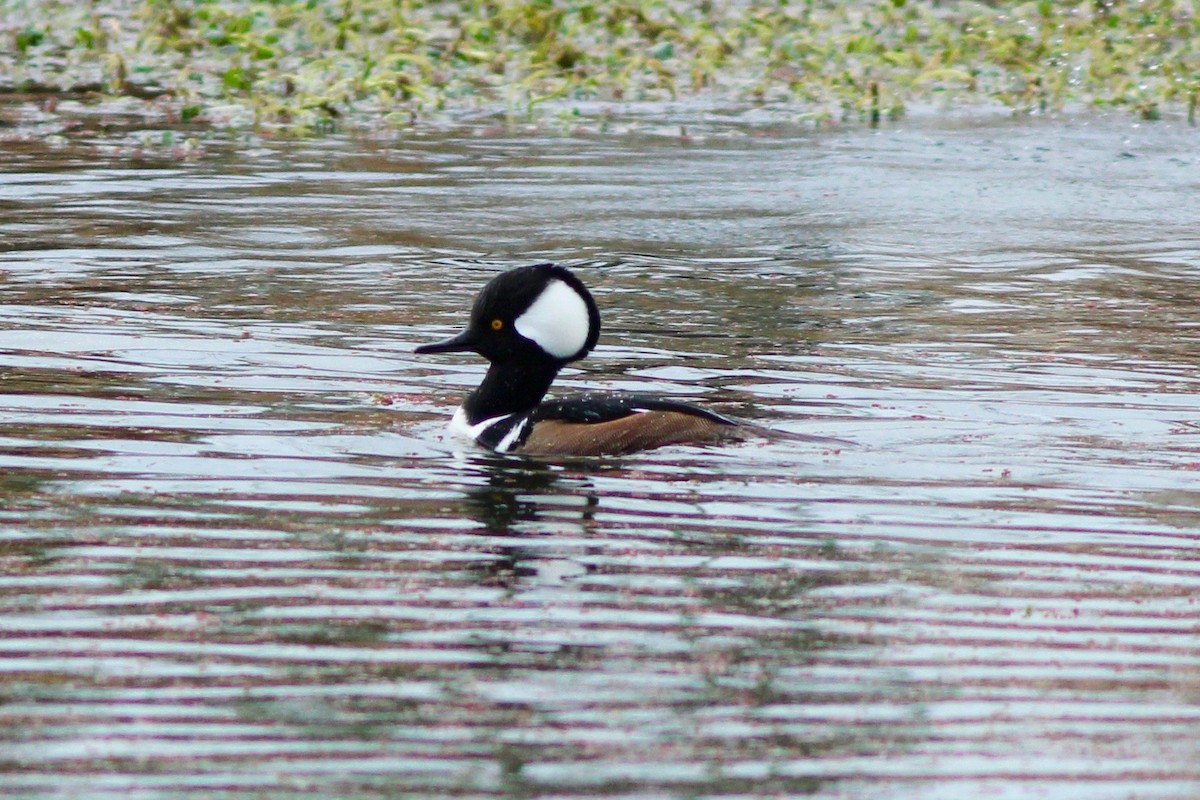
{"x": 316, "y": 64}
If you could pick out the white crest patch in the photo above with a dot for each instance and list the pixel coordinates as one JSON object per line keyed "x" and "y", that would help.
{"x": 557, "y": 321}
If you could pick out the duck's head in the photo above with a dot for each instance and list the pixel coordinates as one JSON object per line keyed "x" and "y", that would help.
{"x": 542, "y": 312}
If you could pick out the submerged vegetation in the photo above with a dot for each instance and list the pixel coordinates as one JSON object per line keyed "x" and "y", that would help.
{"x": 313, "y": 64}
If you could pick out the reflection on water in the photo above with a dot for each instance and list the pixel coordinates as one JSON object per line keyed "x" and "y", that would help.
{"x": 239, "y": 559}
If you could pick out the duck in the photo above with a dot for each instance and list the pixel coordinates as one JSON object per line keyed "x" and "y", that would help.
{"x": 529, "y": 323}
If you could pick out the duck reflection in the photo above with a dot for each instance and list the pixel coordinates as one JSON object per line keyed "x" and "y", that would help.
{"x": 521, "y": 504}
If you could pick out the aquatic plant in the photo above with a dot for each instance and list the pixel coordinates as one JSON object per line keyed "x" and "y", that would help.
{"x": 317, "y": 64}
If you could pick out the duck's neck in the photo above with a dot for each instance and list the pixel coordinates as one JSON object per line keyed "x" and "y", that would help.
{"x": 509, "y": 388}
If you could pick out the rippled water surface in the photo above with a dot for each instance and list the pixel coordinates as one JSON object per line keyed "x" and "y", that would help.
{"x": 239, "y": 559}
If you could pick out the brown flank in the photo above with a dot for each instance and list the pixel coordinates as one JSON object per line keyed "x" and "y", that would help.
{"x": 626, "y": 435}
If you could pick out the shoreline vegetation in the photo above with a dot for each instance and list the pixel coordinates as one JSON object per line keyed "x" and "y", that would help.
{"x": 312, "y": 66}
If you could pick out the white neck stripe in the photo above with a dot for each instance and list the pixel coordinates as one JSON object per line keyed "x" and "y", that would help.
{"x": 460, "y": 427}
{"x": 512, "y": 436}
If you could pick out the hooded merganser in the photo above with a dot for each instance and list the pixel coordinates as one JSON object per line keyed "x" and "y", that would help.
{"x": 529, "y": 323}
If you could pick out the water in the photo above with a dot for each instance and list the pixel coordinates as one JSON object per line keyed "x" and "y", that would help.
{"x": 239, "y": 560}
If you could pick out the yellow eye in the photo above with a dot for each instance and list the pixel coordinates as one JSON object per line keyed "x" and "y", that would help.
{"x": 497, "y": 324}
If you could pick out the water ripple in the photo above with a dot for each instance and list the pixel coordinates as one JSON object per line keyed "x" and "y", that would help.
{"x": 240, "y": 559}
